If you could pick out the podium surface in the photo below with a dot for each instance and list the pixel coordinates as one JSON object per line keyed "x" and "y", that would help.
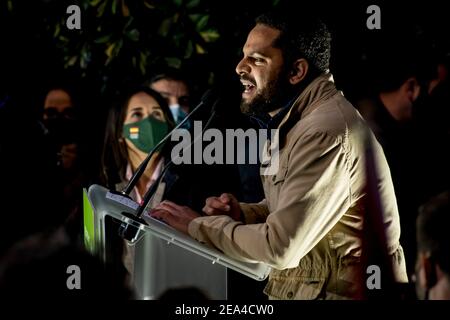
{"x": 164, "y": 258}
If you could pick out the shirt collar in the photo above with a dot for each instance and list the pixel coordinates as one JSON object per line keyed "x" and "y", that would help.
{"x": 155, "y": 175}
{"x": 267, "y": 122}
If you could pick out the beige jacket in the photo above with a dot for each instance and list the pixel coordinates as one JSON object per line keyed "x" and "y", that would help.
{"x": 309, "y": 226}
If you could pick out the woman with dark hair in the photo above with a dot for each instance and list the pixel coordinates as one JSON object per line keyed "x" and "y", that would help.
{"x": 135, "y": 125}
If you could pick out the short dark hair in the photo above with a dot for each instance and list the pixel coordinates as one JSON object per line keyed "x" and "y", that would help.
{"x": 305, "y": 37}
{"x": 169, "y": 74}
{"x": 433, "y": 224}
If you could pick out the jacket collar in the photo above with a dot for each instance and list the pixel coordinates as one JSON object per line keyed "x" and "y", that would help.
{"x": 319, "y": 90}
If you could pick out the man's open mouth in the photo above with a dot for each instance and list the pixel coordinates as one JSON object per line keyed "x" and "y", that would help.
{"x": 249, "y": 87}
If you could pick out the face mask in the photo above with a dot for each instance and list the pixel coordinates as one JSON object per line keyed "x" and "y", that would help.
{"x": 178, "y": 115}
{"x": 145, "y": 134}
{"x": 176, "y": 111}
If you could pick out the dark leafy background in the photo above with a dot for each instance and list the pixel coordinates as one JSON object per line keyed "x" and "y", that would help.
{"x": 125, "y": 42}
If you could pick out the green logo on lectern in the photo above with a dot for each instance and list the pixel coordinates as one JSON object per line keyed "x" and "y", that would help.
{"x": 88, "y": 217}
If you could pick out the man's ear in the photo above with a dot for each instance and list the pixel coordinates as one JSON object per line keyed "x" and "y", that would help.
{"x": 299, "y": 71}
{"x": 427, "y": 271}
{"x": 412, "y": 89}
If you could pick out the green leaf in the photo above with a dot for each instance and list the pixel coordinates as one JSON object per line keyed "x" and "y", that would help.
{"x": 199, "y": 49}
{"x": 177, "y": 40}
{"x": 72, "y": 61}
{"x": 57, "y": 30}
{"x": 83, "y": 63}
{"x": 173, "y": 62}
{"x": 143, "y": 56}
{"x": 133, "y": 35}
{"x": 118, "y": 47}
{"x": 201, "y": 24}
{"x": 101, "y": 9}
{"x": 94, "y": 3}
{"x": 114, "y": 6}
{"x": 195, "y": 17}
{"x": 148, "y": 5}
{"x": 125, "y": 9}
{"x": 164, "y": 28}
{"x": 178, "y": 3}
{"x": 85, "y": 57}
{"x": 193, "y": 4}
{"x": 210, "y": 35}
{"x": 211, "y": 78}
{"x": 109, "y": 50}
{"x": 142, "y": 62}
{"x": 189, "y": 50}
{"x": 63, "y": 39}
{"x": 104, "y": 39}
{"x": 129, "y": 22}
{"x": 176, "y": 17}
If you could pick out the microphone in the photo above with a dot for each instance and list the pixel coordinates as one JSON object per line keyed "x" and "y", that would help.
{"x": 150, "y": 192}
{"x": 130, "y": 232}
{"x": 206, "y": 99}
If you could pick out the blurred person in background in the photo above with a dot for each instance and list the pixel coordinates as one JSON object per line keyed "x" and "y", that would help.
{"x": 38, "y": 267}
{"x": 173, "y": 86}
{"x": 433, "y": 244}
{"x": 400, "y": 112}
{"x": 30, "y": 189}
{"x": 61, "y": 119}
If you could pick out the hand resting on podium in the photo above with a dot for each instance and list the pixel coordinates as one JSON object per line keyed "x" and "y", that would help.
{"x": 179, "y": 217}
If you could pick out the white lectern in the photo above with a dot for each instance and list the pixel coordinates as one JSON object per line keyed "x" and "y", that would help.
{"x": 164, "y": 258}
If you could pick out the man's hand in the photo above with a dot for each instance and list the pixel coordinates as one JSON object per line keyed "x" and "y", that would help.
{"x": 226, "y": 204}
{"x": 174, "y": 215}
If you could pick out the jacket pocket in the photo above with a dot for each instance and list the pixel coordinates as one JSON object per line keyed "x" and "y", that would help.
{"x": 296, "y": 289}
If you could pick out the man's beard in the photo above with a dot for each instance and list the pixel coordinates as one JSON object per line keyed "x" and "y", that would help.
{"x": 274, "y": 96}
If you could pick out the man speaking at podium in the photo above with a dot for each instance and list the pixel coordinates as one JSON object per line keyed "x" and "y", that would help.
{"x": 309, "y": 227}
